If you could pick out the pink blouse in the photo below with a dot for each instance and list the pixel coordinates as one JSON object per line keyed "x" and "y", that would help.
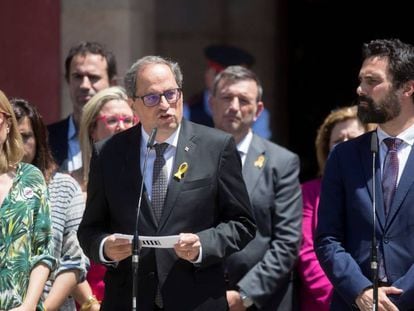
{"x": 316, "y": 289}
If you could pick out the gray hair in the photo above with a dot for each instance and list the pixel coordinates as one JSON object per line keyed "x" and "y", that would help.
{"x": 235, "y": 74}
{"x": 130, "y": 80}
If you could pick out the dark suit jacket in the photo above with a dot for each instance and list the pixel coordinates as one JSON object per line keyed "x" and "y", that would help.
{"x": 198, "y": 113}
{"x": 263, "y": 268}
{"x": 210, "y": 200}
{"x": 344, "y": 231}
{"x": 58, "y": 140}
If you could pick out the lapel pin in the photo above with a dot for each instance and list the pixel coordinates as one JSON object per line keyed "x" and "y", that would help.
{"x": 181, "y": 170}
{"x": 186, "y": 148}
{"x": 259, "y": 161}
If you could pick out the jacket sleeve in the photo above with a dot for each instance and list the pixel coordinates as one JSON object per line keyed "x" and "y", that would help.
{"x": 274, "y": 269}
{"x": 236, "y": 223}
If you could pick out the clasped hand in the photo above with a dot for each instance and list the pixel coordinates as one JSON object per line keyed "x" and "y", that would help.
{"x": 364, "y": 300}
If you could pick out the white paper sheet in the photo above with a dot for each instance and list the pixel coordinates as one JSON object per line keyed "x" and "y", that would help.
{"x": 152, "y": 241}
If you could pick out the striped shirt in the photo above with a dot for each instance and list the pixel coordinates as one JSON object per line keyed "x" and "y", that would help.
{"x": 67, "y": 204}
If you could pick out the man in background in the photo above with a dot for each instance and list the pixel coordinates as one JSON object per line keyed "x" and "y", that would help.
{"x": 346, "y": 219}
{"x": 259, "y": 276}
{"x": 218, "y": 57}
{"x": 89, "y": 68}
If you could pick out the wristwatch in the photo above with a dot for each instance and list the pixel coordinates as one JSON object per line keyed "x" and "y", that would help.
{"x": 247, "y": 301}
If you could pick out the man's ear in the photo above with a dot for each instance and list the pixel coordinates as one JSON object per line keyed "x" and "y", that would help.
{"x": 408, "y": 88}
{"x": 260, "y": 108}
{"x": 132, "y": 104}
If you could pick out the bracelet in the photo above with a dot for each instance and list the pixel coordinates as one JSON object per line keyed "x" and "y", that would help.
{"x": 88, "y": 303}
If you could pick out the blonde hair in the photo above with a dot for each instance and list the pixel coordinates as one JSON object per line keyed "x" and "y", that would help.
{"x": 325, "y": 130}
{"x": 88, "y": 122}
{"x": 12, "y": 151}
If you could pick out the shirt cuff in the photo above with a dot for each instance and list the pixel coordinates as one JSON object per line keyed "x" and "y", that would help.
{"x": 200, "y": 255}
{"x": 102, "y": 257}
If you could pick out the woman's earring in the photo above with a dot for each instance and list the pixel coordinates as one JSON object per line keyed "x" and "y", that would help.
{"x": 8, "y": 130}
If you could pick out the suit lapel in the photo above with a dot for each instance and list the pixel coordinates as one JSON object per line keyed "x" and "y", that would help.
{"x": 366, "y": 160}
{"x": 255, "y": 162}
{"x": 406, "y": 181}
{"x": 184, "y": 154}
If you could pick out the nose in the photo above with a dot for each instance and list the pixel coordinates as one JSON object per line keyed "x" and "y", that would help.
{"x": 359, "y": 90}
{"x": 121, "y": 125}
{"x": 86, "y": 83}
{"x": 234, "y": 103}
{"x": 164, "y": 103}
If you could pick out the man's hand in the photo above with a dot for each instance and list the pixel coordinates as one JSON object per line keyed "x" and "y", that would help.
{"x": 364, "y": 300}
{"x": 188, "y": 246}
{"x": 234, "y": 300}
{"x": 117, "y": 249}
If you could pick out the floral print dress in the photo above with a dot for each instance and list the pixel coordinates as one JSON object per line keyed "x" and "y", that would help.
{"x": 25, "y": 235}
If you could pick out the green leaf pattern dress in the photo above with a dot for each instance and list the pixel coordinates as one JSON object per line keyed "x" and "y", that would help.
{"x": 25, "y": 235}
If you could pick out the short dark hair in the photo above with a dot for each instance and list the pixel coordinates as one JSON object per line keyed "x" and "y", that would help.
{"x": 43, "y": 158}
{"x": 130, "y": 80}
{"x": 400, "y": 57}
{"x": 85, "y": 47}
{"x": 235, "y": 74}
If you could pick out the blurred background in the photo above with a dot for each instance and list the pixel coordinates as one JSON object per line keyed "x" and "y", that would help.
{"x": 307, "y": 52}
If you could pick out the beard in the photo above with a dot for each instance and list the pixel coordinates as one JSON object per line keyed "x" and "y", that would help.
{"x": 382, "y": 111}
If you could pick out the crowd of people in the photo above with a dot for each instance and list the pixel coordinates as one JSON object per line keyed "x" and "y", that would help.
{"x": 229, "y": 223}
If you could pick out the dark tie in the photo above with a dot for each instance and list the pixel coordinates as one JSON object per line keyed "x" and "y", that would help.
{"x": 159, "y": 181}
{"x": 159, "y": 190}
{"x": 390, "y": 171}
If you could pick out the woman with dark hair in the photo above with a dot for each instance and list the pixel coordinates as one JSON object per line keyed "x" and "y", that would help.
{"x": 25, "y": 229}
{"x": 67, "y": 206}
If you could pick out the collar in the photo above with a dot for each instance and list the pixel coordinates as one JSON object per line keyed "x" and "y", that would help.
{"x": 407, "y": 135}
{"x": 72, "y": 131}
{"x": 172, "y": 140}
{"x": 244, "y": 144}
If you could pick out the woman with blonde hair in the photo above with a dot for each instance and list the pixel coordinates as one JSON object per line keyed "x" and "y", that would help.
{"x": 105, "y": 114}
{"x": 315, "y": 289}
{"x": 25, "y": 224}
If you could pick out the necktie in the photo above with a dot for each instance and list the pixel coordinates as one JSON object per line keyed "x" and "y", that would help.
{"x": 159, "y": 180}
{"x": 390, "y": 171}
{"x": 159, "y": 190}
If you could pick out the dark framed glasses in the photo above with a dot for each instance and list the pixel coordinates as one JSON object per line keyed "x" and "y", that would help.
{"x": 151, "y": 100}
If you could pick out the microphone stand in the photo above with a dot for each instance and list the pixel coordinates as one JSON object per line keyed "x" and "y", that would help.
{"x": 374, "y": 247}
{"x": 136, "y": 245}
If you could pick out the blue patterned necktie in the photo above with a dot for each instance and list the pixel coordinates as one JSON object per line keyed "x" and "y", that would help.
{"x": 159, "y": 181}
{"x": 390, "y": 171}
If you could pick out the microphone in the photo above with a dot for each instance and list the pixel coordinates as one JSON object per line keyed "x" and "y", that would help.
{"x": 136, "y": 245}
{"x": 374, "y": 247}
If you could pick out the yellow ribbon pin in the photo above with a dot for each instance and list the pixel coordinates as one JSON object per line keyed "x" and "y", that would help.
{"x": 181, "y": 170}
{"x": 259, "y": 161}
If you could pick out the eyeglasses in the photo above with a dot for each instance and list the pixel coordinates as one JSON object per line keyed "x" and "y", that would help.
{"x": 3, "y": 117}
{"x": 113, "y": 121}
{"x": 151, "y": 100}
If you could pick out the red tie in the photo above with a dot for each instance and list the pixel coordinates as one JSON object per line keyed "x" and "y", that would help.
{"x": 390, "y": 171}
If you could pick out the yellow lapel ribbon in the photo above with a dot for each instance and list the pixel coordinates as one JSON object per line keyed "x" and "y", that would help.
{"x": 181, "y": 170}
{"x": 259, "y": 161}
